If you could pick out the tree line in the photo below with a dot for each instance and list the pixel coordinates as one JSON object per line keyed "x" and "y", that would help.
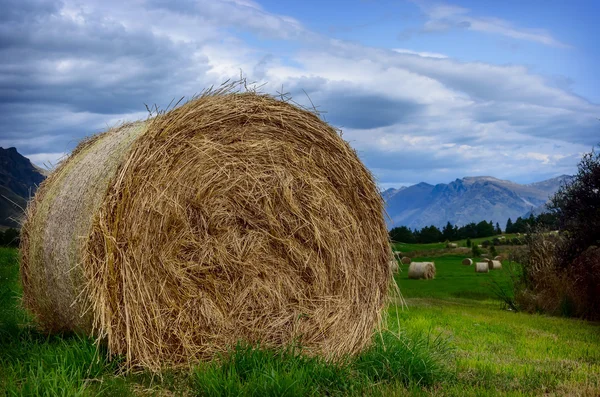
{"x": 9, "y": 238}
{"x": 432, "y": 234}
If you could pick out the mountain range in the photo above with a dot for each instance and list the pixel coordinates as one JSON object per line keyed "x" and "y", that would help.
{"x": 470, "y": 199}
{"x": 19, "y": 179}
{"x": 466, "y": 200}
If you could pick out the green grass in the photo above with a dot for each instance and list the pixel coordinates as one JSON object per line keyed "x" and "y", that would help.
{"x": 407, "y": 247}
{"x": 34, "y": 364}
{"x": 452, "y": 339}
{"x": 452, "y": 280}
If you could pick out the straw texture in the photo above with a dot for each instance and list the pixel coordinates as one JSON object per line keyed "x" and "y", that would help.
{"x": 496, "y": 265}
{"x": 482, "y": 267}
{"x": 418, "y": 270}
{"x": 233, "y": 217}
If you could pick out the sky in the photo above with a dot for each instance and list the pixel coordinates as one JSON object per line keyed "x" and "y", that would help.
{"x": 423, "y": 90}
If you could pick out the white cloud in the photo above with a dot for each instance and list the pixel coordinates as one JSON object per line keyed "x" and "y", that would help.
{"x": 46, "y": 160}
{"x": 445, "y": 17}
{"x": 412, "y": 115}
{"x": 424, "y": 54}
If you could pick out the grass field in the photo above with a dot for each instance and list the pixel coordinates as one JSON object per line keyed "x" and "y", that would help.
{"x": 406, "y": 248}
{"x": 455, "y": 338}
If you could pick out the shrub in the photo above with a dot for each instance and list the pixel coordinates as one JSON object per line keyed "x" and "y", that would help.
{"x": 486, "y": 243}
{"x": 493, "y": 251}
{"x": 469, "y": 242}
{"x": 476, "y": 250}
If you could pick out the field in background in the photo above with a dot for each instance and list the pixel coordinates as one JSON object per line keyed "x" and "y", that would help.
{"x": 406, "y": 248}
{"x": 455, "y": 339}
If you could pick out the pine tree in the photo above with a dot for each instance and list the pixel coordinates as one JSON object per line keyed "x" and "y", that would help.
{"x": 509, "y": 226}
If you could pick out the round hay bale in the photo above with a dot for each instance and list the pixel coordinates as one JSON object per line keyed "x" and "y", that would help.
{"x": 490, "y": 263}
{"x": 418, "y": 270}
{"x": 406, "y": 260}
{"x": 467, "y": 262}
{"x": 451, "y": 245}
{"x": 498, "y": 258}
{"x": 482, "y": 267}
{"x": 496, "y": 265}
{"x": 235, "y": 217}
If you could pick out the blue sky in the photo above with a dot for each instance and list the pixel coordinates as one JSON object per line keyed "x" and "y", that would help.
{"x": 424, "y": 91}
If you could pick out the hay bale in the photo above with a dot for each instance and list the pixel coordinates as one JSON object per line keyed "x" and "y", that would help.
{"x": 479, "y": 246}
{"x": 495, "y": 265}
{"x": 394, "y": 266}
{"x": 467, "y": 262}
{"x": 418, "y": 270}
{"x": 397, "y": 254}
{"x": 451, "y": 245}
{"x": 233, "y": 217}
{"x": 498, "y": 258}
{"x": 406, "y": 260}
{"x": 482, "y": 267}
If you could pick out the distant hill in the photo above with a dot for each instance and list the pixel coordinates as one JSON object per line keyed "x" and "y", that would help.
{"x": 19, "y": 179}
{"x": 470, "y": 199}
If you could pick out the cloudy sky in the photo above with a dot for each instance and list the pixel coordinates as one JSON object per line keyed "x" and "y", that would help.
{"x": 424, "y": 91}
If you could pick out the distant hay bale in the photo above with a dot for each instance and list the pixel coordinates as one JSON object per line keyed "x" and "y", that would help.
{"x": 452, "y": 245}
{"x": 397, "y": 254}
{"x": 498, "y": 258}
{"x": 418, "y": 270}
{"x": 482, "y": 267}
{"x": 467, "y": 262}
{"x": 496, "y": 265}
{"x": 406, "y": 260}
{"x": 235, "y": 217}
{"x": 484, "y": 255}
{"x": 479, "y": 246}
{"x": 394, "y": 266}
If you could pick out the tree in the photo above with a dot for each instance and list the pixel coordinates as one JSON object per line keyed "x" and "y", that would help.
{"x": 469, "y": 242}
{"x": 498, "y": 230}
{"x": 430, "y": 234}
{"x": 577, "y": 206}
{"x": 10, "y": 238}
{"x": 448, "y": 232}
{"x": 509, "y": 226}
{"x": 485, "y": 229}
{"x": 402, "y": 234}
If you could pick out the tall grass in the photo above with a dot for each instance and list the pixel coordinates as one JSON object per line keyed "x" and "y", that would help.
{"x": 34, "y": 364}
{"x": 401, "y": 360}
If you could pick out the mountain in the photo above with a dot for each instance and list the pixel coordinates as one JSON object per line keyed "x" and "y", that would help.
{"x": 470, "y": 199}
{"x": 18, "y": 181}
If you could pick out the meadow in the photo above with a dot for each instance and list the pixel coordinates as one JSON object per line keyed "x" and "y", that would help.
{"x": 449, "y": 336}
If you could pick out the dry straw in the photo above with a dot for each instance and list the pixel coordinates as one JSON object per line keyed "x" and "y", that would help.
{"x": 496, "y": 265}
{"x": 406, "y": 260}
{"x": 418, "y": 270}
{"x": 467, "y": 262}
{"x": 482, "y": 267}
{"x": 236, "y": 216}
{"x": 490, "y": 263}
